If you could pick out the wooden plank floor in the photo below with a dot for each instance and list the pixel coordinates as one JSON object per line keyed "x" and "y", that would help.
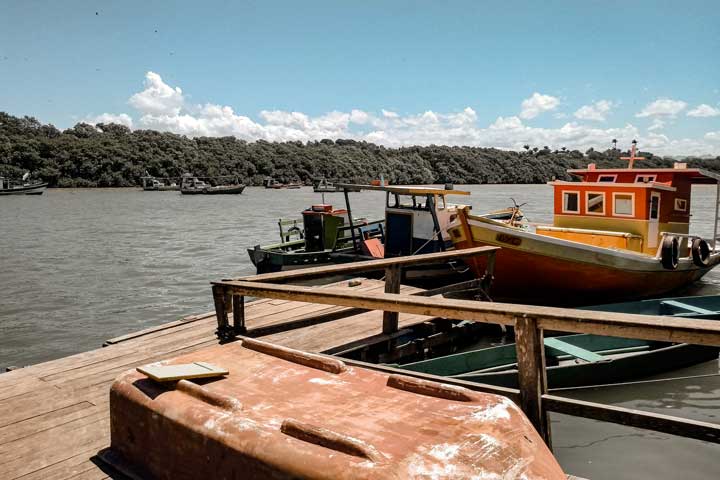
{"x": 54, "y": 416}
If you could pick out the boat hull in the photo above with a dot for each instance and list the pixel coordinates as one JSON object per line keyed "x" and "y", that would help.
{"x": 232, "y": 190}
{"x": 536, "y": 269}
{"x": 37, "y": 189}
{"x": 656, "y": 358}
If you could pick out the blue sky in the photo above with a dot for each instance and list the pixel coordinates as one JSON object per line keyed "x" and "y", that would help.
{"x": 413, "y": 72}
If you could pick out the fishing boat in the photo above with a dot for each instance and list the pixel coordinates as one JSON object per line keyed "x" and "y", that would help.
{"x": 322, "y": 185}
{"x": 618, "y": 233}
{"x": 416, "y": 221}
{"x": 195, "y": 186}
{"x": 24, "y": 187}
{"x": 583, "y": 359}
{"x": 274, "y": 184}
{"x": 153, "y": 184}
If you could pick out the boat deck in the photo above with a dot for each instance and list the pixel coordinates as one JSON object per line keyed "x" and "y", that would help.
{"x": 54, "y": 416}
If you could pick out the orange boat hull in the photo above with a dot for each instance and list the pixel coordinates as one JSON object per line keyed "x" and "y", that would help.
{"x": 534, "y": 269}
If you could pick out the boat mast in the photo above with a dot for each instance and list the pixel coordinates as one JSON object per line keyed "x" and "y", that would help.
{"x": 631, "y": 159}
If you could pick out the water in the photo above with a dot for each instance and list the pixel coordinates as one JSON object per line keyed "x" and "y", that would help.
{"x": 80, "y": 266}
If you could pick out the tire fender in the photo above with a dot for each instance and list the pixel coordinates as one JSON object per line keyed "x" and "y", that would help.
{"x": 670, "y": 252}
{"x": 700, "y": 252}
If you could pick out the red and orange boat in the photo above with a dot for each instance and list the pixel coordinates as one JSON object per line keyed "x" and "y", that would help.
{"x": 620, "y": 233}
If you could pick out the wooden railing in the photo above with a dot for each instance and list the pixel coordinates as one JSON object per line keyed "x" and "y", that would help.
{"x": 529, "y": 321}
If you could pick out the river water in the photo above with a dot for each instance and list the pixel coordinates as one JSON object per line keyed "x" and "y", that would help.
{"x": 81, "y": 266}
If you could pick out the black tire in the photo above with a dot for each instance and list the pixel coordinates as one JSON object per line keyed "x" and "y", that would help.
{"x": 670, "y": 253}
{"x": 700, "y": 252}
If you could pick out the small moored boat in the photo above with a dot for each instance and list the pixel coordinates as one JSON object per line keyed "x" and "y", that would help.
{"x": 274, "y": 184}
{"x": 153, "y": 184}
{"x": 323, "y": 185}
{"x": 195, "y": 186}
{"x": 416, "y": 221}
{"x": 24, "y": 187}
{"x": 581, "y": 360}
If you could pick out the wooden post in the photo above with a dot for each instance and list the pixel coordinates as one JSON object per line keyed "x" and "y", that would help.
{"x": 224, "y": 329}
{"x": 532, "y": 378}
{"x": 392, "y": 285}
{"x": 238, "y": 303}
{"x": 489, "y": 275}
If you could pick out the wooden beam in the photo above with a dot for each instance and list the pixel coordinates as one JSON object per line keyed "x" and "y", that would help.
{"x": 531, "y": 374}
{"x": 367, "y": 266}
{"x": 392, "y": 285}
{"x": 708, "y": 432}
{"x": 646, "y": 327}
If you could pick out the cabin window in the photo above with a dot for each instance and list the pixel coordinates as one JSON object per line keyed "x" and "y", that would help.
{"x": 681, "y": 204}
{"x": 595, "y": 203}
{"x": 607, "y": 178}
{"x": 645, "y": 178}
{"x": 571, "y": 203}
{"x": 624, "y": 204}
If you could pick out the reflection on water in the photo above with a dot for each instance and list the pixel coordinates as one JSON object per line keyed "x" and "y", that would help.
{"x": 80, "y": 266}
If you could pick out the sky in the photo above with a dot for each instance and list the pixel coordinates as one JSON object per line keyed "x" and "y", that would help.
{"x": 496, "y": 74}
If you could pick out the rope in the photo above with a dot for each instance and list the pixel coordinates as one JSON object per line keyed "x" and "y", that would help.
{"x": 640, "y": 382}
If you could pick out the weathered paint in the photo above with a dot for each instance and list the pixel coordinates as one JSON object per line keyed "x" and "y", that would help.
{"x": 290, "y": 419}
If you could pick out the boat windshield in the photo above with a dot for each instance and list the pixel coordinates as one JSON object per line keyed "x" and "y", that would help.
{"x": 412, "y": 202}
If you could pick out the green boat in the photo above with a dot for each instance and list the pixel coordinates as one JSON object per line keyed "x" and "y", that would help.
{"x": 581, "y": 360}
{"x": 416, "y": 221}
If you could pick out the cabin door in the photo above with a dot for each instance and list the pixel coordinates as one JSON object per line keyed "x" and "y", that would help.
{"x": 653, "y": 220}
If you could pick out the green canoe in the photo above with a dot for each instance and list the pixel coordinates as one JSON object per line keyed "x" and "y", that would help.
{"x": 579, "y": 360}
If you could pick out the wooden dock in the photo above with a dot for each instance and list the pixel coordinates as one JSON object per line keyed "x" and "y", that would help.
{"x": 54, "y": 416}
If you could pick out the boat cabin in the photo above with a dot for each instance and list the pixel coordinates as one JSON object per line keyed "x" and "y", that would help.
{"x": 416, "y": 218}
{"x": 190, "y": 182}
{"x": 626, "y": 208}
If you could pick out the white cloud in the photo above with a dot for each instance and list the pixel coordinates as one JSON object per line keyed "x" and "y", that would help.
{"x": 596, "y": 111}
{"x": 704, "y": 110}
{"x": 656, "y": 125}
{"x": 537, "y": 104}
{"x": 360, "y": 117}
{"x": 158, "y": 98}
{"x": 163, "y": 107}
{"x": 121, "y": 119}
{"x": 713, "y": 136}
{"x": 509, "y": 123}
{"x": 662, "y": 107}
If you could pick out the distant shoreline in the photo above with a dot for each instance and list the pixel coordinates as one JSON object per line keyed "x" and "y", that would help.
{"x": 112, "y": 156}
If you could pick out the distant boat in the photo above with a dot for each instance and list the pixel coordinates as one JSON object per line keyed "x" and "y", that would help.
{"x": 322, "y": 185}
{"x": 152, "y": 184}
{"x": 274, "y": 184}
{"x": 194, "y": 186}
{"x": 7, "y": 187}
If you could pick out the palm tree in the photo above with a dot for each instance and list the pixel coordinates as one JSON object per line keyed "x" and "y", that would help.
{"x": 614, "y": 142}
